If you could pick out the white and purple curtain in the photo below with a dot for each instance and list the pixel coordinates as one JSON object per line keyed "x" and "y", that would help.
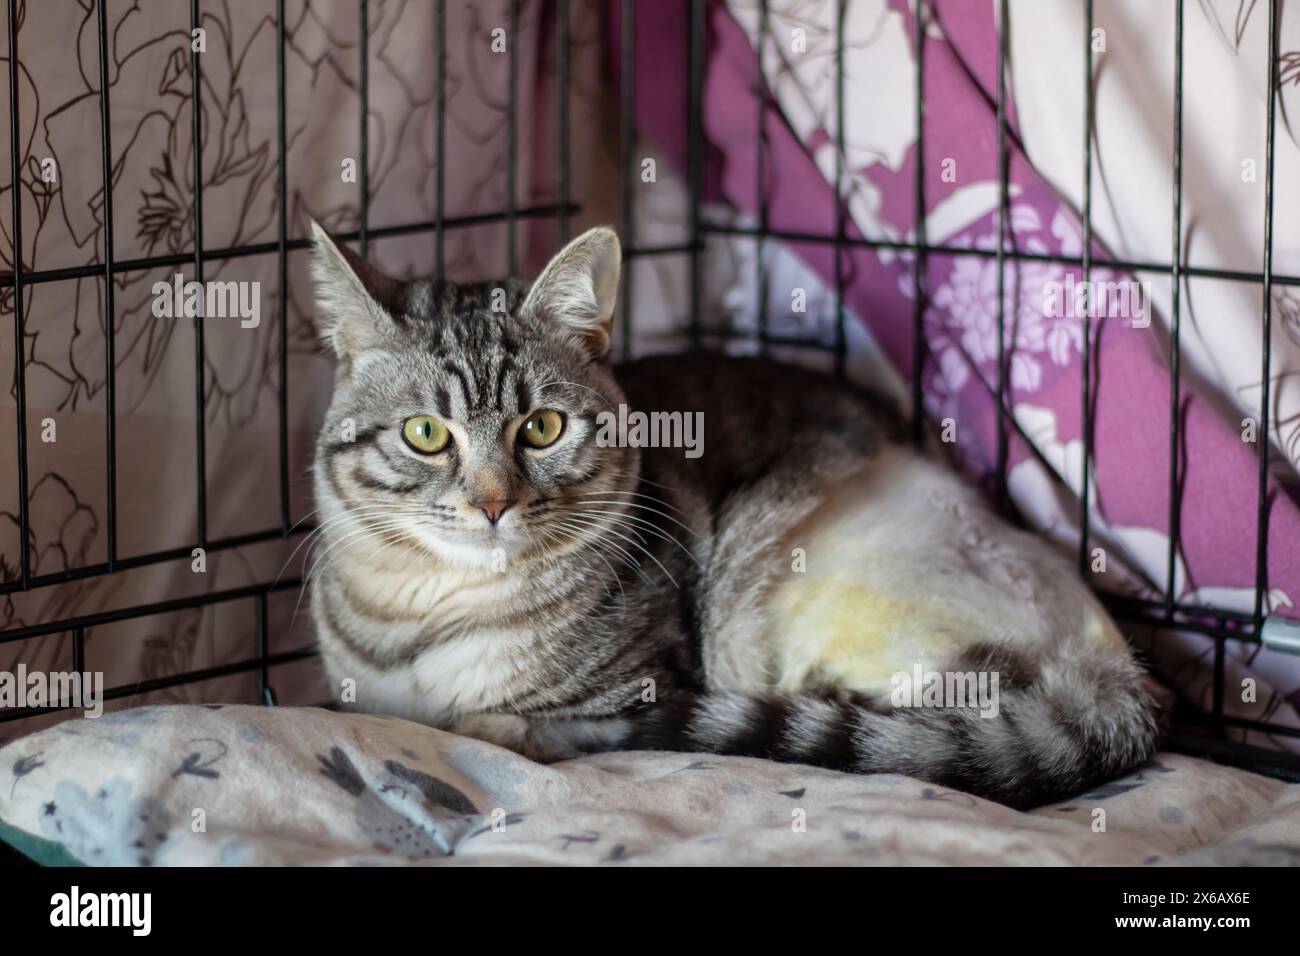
{"x": 1224, "y": 114}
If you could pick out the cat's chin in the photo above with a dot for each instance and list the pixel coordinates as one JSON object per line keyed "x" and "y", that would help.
{"x": 488, "y": 552}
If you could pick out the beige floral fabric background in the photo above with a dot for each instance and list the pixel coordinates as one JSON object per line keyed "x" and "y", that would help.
{"x": 153, "y": 192}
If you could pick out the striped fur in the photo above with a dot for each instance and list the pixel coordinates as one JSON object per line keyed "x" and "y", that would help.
{"x": 638, "y": 598}
{"x": 1065, "y": 730}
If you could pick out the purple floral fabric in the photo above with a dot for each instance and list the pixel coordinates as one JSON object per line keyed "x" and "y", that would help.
{"x": 1128, "y": 476}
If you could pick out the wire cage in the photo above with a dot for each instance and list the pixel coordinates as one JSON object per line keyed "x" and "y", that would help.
{"x": 1196, "y": 731}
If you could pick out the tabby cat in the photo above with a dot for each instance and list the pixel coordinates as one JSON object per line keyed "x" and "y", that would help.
{"x": 491, "y": 563}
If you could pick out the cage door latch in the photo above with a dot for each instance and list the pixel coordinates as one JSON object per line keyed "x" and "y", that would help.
{"x": 1280, "y": 634}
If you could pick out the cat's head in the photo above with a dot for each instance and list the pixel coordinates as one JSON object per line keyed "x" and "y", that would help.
{"x": 464, "y": 416}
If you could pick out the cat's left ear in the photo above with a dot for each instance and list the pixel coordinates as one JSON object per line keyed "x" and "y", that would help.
{"x": 578, "y": 287}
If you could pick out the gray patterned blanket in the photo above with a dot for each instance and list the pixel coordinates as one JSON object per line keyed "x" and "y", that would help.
{"x": 241, "y": 785}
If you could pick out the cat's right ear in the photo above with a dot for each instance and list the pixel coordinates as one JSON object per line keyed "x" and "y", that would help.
{"x": 357, "y": 306}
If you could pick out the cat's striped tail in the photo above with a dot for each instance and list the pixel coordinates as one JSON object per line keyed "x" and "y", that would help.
{"x": 1075, "y": 721}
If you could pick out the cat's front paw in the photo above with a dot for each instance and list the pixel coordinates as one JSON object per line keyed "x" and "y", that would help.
{"x": 546, "y": 748}
{"x": 534, "y": 740}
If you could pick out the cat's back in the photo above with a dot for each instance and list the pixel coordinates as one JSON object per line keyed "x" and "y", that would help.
{"x": 741, "y": 390}
{"x": 751, "y": 413}
{"x": 850, "y": 553}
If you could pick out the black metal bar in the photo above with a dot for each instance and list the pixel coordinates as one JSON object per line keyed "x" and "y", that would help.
{"x": 200, "y": 359}
{"x": 79, "y": 650}
{"x": 511, "y": 135}
{"x": 677, "y": 249}
{"x": 1003, "y": 35}
{"x": 364, "y": 171}
{"x": 1015, "y": 255}
{"x": 1220, "y": 675}
{"x": 1175, "y": 332}
{"x": 1275, "y": 763}
{"x": 841, "y": 335}
{"x": 1155, "y": 618}
{"x": 695, "y": 161}
{"x": 773, "y": 338}
{"x": 259, "y": 645}
{"x": 266, "y": 248}
{"x": 162, "y": 683}
{"x": 1180, "y": 613}
{"x": 155, "y": 557}
{"x": 1246, "y": 723}
{"x": 440, "y": 149}
{"x": 110, "y": 348}
{"x": 1261, "y": 533}
{"x": 144, "y": 610}
{"x": 760, "y": 175}
{"x": 627, "y": 161}
{"x": 1085, "y": 359}
{"x": 282, "y": 268}
{"x": 1208, "y": 621}
{"x": 562, "y": 107}
{"x": 477, "y": 219}
{"x": 920, "y": 234}
{"x": 20, "y": 363}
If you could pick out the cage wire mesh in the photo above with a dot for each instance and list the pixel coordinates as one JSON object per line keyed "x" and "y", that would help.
{"x": 1205, "y": 732}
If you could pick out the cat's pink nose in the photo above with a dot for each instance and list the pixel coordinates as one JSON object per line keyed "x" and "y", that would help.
{"x": 493, "y": 509}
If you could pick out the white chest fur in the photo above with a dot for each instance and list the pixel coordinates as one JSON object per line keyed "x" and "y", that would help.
{"x": 469, "y": 666}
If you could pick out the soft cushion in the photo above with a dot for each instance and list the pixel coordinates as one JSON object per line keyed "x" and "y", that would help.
{"x": 265, "y": 785}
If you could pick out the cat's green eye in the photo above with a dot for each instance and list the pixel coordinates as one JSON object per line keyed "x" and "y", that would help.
{"x": 541, "y": 428}
{"x": 426, "y": 434}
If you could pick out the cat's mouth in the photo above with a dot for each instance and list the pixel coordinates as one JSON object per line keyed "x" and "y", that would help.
{"x": 549, "y": 527}
{"x": 472, "y": 541}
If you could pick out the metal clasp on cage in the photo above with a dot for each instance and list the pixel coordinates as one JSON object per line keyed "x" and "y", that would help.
{"x": 1280, "y": 634}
